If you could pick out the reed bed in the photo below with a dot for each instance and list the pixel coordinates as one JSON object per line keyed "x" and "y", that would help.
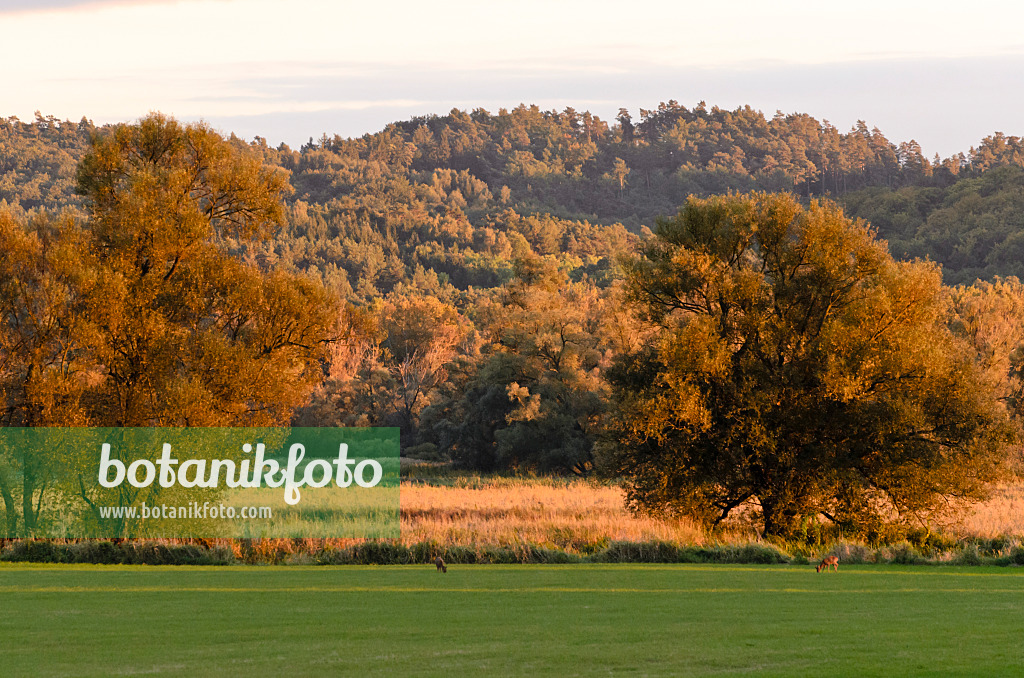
{"x": 579, "y": 516}
{"x": 1001, "y": 515}
{"x": 574, "y": 516}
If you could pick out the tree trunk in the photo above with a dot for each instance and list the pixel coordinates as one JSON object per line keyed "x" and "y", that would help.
{"x": 10, "y": 507}
{"x": 28, "y": 514}
{"x": 780, "y": 520}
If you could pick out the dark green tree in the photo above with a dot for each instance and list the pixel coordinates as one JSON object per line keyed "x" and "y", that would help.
{"x": 796, "y": 366}
{"x": 537, "y": 398}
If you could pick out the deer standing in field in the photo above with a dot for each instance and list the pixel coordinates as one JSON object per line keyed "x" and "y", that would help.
{"x": 828, "y": 561}
{"x": 441, "y": 567}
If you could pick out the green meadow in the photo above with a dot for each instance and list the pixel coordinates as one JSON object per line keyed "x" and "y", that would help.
{"x": 511, "y": 620}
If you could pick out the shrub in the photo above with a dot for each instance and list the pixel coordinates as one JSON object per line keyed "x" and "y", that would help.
{"x": 905, "y": 554}
{"x": 32, "y": 551}
{"x": 968, "y": 555}
{"x": 664, "y": 552}
{"x": 464, "y": 555}
{"x": 380, "y": 553}
{"x": 423, "y": 451}
{"x": 760, "y": 554}
{"x": 425, "y": 551}
{"x": 639, "y": 552}
{"x": 102, "y": 552}
{"x": 854, "y": 554}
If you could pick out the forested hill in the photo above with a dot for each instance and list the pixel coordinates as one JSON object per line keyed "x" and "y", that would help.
{"x": 458, "y": 198}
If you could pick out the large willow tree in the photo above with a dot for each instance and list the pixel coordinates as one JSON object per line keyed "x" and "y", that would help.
{"x": 795, "y": 365}
{"x": 145, "y": 313}
{"x": 185, "y": 331}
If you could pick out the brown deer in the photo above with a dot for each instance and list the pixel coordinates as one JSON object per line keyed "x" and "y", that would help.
{"x": 828, "y": 561}
{"x": 441, "y": 567}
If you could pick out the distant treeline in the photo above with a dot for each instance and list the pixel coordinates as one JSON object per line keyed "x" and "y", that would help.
{"x": 456, "y": 195}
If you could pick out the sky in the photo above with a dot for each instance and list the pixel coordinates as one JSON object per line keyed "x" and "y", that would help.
{"x": 943, "y": 73}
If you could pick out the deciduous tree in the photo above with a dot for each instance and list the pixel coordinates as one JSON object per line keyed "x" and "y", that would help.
{"x": 186, "y": 333}
{"x": 43, "y": 369}
{"x": 795, "y": 365}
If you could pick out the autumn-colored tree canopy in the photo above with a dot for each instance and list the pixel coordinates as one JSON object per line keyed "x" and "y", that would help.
{"x": 185, "y": 331}
{"x": 795, "y": 365}
{"x": 144, "y": 313}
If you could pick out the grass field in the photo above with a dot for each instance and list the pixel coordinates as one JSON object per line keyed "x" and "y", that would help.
{"x": 511, "y": 620}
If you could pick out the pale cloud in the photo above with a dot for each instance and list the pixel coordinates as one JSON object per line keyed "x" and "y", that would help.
{"x": 48, "y": 6}
{"x": 947, "y": 105}
{"x": 901, "y": 65}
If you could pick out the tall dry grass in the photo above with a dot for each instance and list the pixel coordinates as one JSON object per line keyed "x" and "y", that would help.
{"x": 575, "y": 516}
{"x": 579, "y": 516}
{"x": 1001, "y": 515}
